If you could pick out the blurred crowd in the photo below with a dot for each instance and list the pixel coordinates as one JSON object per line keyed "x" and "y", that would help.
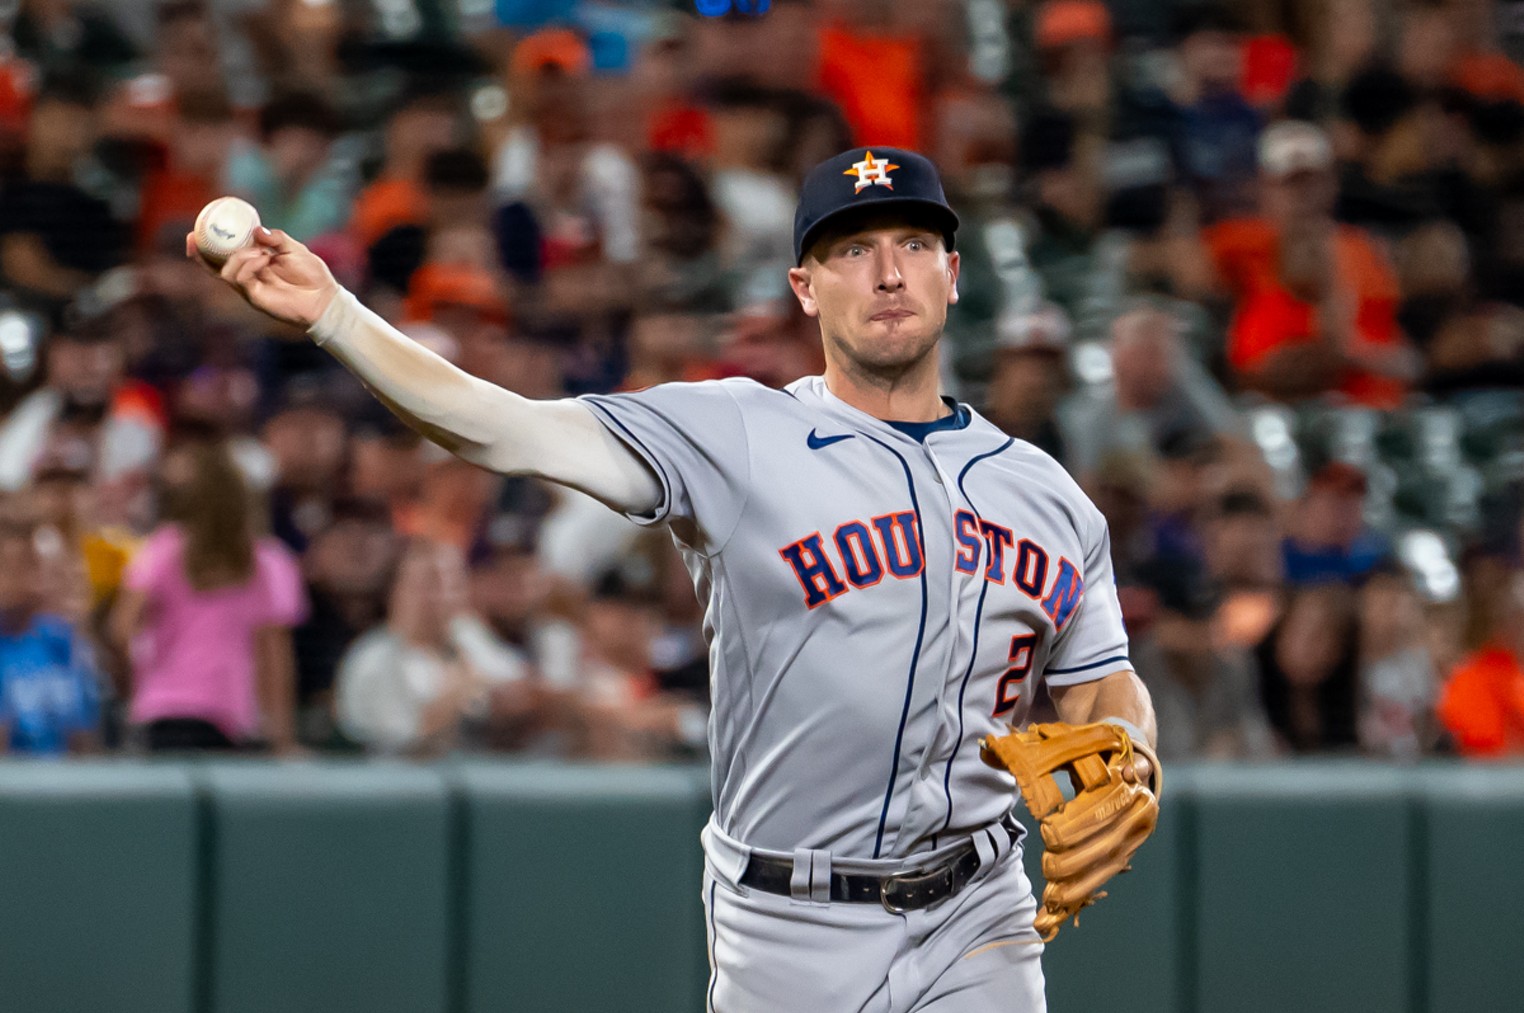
{"x": 1253, "y": 271}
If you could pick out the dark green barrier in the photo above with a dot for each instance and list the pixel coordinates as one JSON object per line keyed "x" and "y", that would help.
{"x": 1303, "y": 889}
{"x": 522, "y": 888}
{"x": 584, "y": 888}
{"x": 1472, "y": 912}
{"x": 98, "y": 875}
{"x": 331, "y": 889}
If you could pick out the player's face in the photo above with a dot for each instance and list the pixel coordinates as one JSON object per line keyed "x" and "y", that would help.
{"x": 881, "y": 293}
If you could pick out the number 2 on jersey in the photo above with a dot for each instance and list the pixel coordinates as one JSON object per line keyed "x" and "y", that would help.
{"x": 1009, "y": 689}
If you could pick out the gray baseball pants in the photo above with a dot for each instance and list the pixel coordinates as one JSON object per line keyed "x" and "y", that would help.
{"x": 975, "y": 952}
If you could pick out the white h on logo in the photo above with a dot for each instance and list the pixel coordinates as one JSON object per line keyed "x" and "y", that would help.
{"x": 871, "y": 172}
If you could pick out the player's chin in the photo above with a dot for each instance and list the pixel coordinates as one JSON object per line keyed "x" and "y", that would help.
{"x": 893, "y": 360}
{"x": 901, "y": 344}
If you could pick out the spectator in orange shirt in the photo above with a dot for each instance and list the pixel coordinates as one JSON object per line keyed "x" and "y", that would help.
{"x": 1315, "y": 301}
{"x": 426, "y": 123}
{"x": 175, "y": 192}
{"x": 663, "y": 77}
{"x": 1074, "y": 41}
{"x": 876, "y": 74}
{"x": 1479, "y": 65}
{"x": 1482, "y": 704}
{"x": 1446, "y": 44}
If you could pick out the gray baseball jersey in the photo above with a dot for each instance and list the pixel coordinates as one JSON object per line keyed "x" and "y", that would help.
{"x": 878, "y": 597}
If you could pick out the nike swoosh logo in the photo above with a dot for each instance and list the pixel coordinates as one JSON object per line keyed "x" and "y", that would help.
{"x": 818, "y": 442}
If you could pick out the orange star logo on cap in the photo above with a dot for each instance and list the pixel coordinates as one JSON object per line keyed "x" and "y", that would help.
{"x": 871, "y": 172}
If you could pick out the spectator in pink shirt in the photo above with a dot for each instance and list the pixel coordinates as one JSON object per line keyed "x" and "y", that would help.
{"x": 206, "y": 613}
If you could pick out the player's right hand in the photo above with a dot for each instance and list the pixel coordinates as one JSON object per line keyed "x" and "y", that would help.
{"x": 276, "y": 275}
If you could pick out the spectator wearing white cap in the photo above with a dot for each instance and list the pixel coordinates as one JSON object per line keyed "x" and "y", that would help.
{"x": 1315, "y": 302}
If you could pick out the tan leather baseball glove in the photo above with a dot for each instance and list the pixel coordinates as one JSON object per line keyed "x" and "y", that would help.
{"x": 1091, "y": 837}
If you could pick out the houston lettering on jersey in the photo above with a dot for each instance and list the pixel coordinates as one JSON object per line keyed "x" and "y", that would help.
{"x": 860, "y": 554}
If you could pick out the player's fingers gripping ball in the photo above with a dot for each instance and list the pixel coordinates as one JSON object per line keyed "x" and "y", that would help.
{"x": 1092, "y": 836}
{"x": 223, "y": 227}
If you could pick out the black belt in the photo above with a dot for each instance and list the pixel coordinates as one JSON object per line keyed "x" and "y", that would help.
{"x": 908, "y": 891}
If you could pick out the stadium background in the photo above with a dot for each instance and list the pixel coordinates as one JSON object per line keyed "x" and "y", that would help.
{"x": 1249, "y": 270}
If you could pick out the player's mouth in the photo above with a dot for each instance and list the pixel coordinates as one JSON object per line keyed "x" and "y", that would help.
{"x": 896, "y": 313}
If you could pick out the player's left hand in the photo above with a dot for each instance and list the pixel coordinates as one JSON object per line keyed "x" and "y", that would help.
{"x": 1139, "y": 771}
{"x": 1091, "y": 837}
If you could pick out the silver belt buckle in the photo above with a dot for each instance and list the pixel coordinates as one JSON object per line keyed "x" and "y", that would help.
{"x": 887, "y": 887}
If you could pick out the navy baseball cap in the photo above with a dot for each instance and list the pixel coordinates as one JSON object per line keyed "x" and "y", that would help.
{"x": 873, "y": 178}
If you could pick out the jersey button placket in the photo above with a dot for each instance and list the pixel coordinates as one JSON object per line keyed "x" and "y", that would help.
{"x": 947, "y": 709}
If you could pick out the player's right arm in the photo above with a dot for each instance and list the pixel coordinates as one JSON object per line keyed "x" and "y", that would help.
{"x": 561, "y": 441}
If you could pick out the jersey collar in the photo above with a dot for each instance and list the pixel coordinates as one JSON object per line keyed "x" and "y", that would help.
{"x": 960, "y": 417}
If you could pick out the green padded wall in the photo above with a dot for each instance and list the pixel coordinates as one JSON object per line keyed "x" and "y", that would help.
{"x": 332, "y": 888}
{"x": 1136, "y": 925}
{"x": 98, "y": 871}
{"x": 584, "y": 889}
{"x": 1473, "y": 909}
{"x": 1303, "y": 879}
{"x": 478, "y": 886}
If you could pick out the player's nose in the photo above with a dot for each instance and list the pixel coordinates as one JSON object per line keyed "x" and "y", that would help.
{"x": 889, "y": 277}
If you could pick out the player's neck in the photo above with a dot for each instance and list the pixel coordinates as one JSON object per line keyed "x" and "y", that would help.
{"x": 912, "y": 396}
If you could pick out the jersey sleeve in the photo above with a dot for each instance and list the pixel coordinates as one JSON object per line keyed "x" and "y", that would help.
{"x": 1093, "y": 643}
{"x": 693, "y": 438}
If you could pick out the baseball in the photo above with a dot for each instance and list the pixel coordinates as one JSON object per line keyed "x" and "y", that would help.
{"x": 224, "y": 226}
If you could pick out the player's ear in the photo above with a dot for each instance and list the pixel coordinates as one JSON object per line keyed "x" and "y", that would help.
{"x": 804, "y": 291}
{"x": 952, "y": 277}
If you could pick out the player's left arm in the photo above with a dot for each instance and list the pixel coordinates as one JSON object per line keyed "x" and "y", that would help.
{"x": 1092, "y": 641}
{"x": 1118, "y": 695}
{"x": 1120, "y": 698}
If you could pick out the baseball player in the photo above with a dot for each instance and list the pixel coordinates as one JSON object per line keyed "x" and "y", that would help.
{"x": 887, "y": 577}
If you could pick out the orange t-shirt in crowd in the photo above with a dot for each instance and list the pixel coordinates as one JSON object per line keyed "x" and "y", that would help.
{"x": 143, "y": 401}
{"x": 682, "y": 129}
{"x": 877, "y": 80}
{"x": 451, "y": 507}
{"x": 385, "y": 205}
{"x": 1482, "y": 705}
{"x": 1269, "y": 69}
{"x": 171, "y": 197}
{"x": 1489, "y": 76}
{"x": 1268, "y": 317}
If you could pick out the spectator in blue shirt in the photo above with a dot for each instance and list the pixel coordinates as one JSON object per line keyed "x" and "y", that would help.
{"x": 1218, "y": 128}
{"x": 49, "y": 687}
{"x": 1329, "y": 541}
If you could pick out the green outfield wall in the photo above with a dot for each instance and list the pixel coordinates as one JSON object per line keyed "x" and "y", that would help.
{"x": 467, "y": 887}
